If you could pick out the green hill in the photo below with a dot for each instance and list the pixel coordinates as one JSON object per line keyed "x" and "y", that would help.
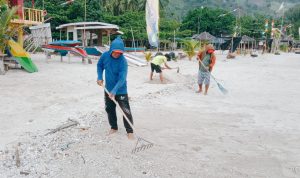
{"x": 178, "y": 8}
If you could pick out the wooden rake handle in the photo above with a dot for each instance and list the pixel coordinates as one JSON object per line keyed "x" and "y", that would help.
{"x": 123, "y": 113}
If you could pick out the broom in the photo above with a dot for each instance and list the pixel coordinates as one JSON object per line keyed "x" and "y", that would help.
{"x": 221, "y": 88}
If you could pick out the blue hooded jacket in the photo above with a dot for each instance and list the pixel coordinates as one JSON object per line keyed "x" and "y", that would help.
{"x": 115, "y": 69}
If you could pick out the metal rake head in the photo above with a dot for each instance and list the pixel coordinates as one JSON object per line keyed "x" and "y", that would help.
{"x": 141, "y": 145}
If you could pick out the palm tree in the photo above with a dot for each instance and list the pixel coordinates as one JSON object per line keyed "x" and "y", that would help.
{"x": 148, "y": 56}
{"x": 190, "y": 47}
{"x": 117, "y": 7}
{"x": 277, "y": 37}
{"x": 6, "y": 31}
{"x": 162, "y": 4}
{"x": 132, "y": 5}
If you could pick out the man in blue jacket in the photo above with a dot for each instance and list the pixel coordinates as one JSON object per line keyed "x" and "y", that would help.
{"x": 115, "y": 66}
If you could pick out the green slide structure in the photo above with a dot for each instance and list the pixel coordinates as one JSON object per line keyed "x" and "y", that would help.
{"x": 22, "y": 57}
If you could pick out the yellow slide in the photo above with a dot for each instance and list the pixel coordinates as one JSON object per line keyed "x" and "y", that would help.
{"x": 16, "y": 49}
{"x": 21, "y": 56}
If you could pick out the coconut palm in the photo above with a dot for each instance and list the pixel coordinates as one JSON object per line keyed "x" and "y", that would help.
{"x": 117, "y": 7}
{"x": 277, "y": 37}
{"x": 132, "y": 5}
{"x": 162, "y": 3}
{"x": 6, "y": 30}
{"x": 190, "y": 47}
{"x": 2, "y": 2}
{"x": 148, "y": 56}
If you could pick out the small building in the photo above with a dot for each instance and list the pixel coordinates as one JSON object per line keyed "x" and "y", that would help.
{"x": 247, "y": 42}
{"x": 90, "y": 31}
{"x": 204, "y": 36}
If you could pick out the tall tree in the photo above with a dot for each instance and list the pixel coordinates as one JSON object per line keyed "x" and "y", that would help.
{"x": 74, "y": 12}
{"x": 209, "y": 20}
{"x": 293, "y": 17}
{"x": 118, "y": 7}
{"x": 253, "y": 26}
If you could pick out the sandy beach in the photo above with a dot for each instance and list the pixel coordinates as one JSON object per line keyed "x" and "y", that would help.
{"x": 254, "y": 131}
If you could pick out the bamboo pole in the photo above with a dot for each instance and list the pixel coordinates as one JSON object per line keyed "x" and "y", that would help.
{"x": 23, "y": 14}
{"x": 36, "y": 19}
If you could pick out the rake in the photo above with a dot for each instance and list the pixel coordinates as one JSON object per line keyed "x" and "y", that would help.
{"x": 177, "y": 69}
{"x": 141, "y": 143}
{"x": 222, "y": 89}
{"x": 163, "y": 68}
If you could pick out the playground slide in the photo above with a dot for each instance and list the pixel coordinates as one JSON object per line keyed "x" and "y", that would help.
{"x": 21, "y": 56}
{"x": 130, "y": 58}
{"x": 135, "y": 58}
{"x": 101, "y": 49}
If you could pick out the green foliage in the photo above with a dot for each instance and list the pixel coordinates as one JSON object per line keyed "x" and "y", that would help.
{"x": 190, "y": 47}
{"x": 283, "y": 47}
{"x": 277, "y": 34}
{"x": 2, "y": 3}
{"x": 179, "y": 8}
{"x": 6, "y": 31}
{"x": 148, "y": 56}
{"x": 136, "y": 21}
{"x": 209, "y": 20}
{"x": 293, "y": 17}
{"x": 74, "y": 12}
{"x": 118, "y": 7}
{"x": 167, "y": 28}
{"x": 127, "y": 21}
{"x": 253, "y": 26}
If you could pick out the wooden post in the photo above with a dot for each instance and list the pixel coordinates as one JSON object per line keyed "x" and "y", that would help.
{"x": 99, "y": 40}
{"x": 2, "y": 66}
{"x": 23, "y": 14}
{"x": 108, "y": 34}
{"x": 39, "y": 16}
{"x": 91, "y": 38}
{"x": 36, "y": 17}
{"x": 248, "y": 46}
{"x": 20, "y": 37}
{"x": 30, "y": 15}
{"x": 69, "y": 58}
{"x": 82, "y": 37}
{"x": 48, "y": 56}
{"x": 43, "y": 18}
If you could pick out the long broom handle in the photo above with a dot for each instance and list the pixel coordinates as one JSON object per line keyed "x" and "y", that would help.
{"x": 207, "y": 70}
{"x": 114, "y": 100}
